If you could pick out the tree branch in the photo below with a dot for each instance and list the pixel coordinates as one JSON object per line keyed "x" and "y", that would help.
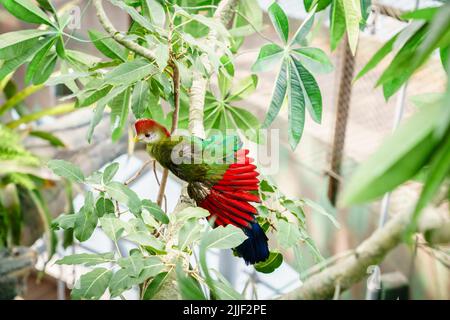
{"x": 176, "y": 110}
{"x": 224, "y": 14}
{"x": 119, "y": 37}
{"x": 196, "y": 127}
{"x": 372, "y": 251}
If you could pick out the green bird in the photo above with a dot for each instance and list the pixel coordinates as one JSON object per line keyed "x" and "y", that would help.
{"x": 221, "y": 179}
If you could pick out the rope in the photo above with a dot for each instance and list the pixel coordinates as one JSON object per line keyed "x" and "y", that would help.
{"x": 343, "y": 105}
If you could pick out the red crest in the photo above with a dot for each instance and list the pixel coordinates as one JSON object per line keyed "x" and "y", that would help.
{"x": 149, "y": 125}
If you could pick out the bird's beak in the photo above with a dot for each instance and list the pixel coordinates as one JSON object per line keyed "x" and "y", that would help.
{"x": 136, "y": 139}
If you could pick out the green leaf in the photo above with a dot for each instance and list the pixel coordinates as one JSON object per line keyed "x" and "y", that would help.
{"x": 246, "y": 122}
{"x": 444, "y": 54}
{"x": 87, "y": 259}
{"x": 224, "y": 237}
{"x": 245, "y": 23}
{"x": 81, "y": 58}
{"x": 352, "y": 11}
{"x": 191, "y": 212}
{"x": 104, "y": 206}
{"x": 144, "y": 238}
{"x": 265, "y": 186}
{"x": 293, "y": 208}
{"x": 92, "y": 285}
{"x": 337, "y": 27}
{"x": 304, "y": 29}
{"x": 47, "y": 6}
{"x": 313, "y": 249}
{"x": 148, "y": 219}
{"x": 155, "y": 11}
{"x": 37, "y": 66}
{"x": 161, "y": 51}
{"x": 120, "y": 282}
{"x": 189, "y": 232}
{"x": 132, "y": 264}
{"x": 319, "y": 209}
{"x": 129, "y": 72}
{"x": 271, "y": 264}
{"x": 65, "y": 221}
{"x": 225, "y": 75}
{"x": 438, "y": 36}
{"x": 398, "y": 159}
{"x": 113, "y": 227}
{"x": 88, "y": 97}
{"x": 109, "y": 172}
{"x": 421, "y": 14}
{"x": 16, "y": 43}
{"x": 279, "y": 21}
{"x": 120, "y": 107}
{"x": 123, "y": 194}
{"x": 438, "y": 171}
{"x": 156, "y": 284}
{"x": 155, "y": 211}
{"x": 188, "y": 287}
{"x": 402, "y": 66}
{"x": 244, "y": 88}
{"x": 27, "y": 10}
{"x": 137, "y": 17}
{"x": 278, "y": 94}
{"x": 153, "y": 266}
{"x": 269, "y": 56}
{"x": 312, "y": 90}
{"x": 314, "y": 59}
{"x": 296, "y": 100}
{"x": 96, "y": 118}
{"x": 288, "y": 234}
{"x": 66, "y": 170}
{"x": 378, "y": 57}
{"x": 60, "y": 47}
{"x": 44, "y": 135}
{"x": 23, "y": 54}
{"x": 86, "y": 220}
{"x": 108, "y": 46}
{"x": 225, "y": 291}
{"x": 45, "y": 69}
{"x": 141, "y": 99}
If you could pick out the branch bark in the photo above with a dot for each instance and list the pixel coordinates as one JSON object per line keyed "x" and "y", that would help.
{"x": 197, "y": 97}
{"x": 224, "y": 14}
{"x": 176, "y": 109}
{"x": 119, "y": 37}
{"x": 372, "y": 251}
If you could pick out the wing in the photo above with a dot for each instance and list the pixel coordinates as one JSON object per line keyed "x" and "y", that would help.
{"x": 228, "y": 186}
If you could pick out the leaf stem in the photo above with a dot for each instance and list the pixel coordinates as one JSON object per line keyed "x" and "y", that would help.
{"x": 19, "y": 97}
{"x": 59, "y": 109}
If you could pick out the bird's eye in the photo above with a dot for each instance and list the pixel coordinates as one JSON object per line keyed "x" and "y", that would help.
{"x": 147, "y": 135}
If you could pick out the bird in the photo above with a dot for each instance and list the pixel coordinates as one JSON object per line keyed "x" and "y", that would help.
{"x": 221, "y": 179}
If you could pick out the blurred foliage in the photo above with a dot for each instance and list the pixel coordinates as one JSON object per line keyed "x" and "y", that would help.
{"x": 421, "y": 145}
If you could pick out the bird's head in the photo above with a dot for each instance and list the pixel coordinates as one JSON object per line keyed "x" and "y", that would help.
{"x": 149, "y": 131}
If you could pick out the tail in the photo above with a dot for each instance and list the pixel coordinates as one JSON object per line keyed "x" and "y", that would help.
{"x": 255, "y": 248}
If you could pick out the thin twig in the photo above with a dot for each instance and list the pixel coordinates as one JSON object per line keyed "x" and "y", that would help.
{"x": 138, "y": 173}
{"x": 155, "y": 173}
{"x": 176, "y": 104}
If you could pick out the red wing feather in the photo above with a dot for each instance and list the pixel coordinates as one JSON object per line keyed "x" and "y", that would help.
{"x": 228, "y": 199}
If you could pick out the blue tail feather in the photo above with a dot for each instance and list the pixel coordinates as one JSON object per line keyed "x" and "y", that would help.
{"x": 255, "y": 248}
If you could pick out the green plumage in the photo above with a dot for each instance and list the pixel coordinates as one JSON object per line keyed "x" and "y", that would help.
{"x": 195, "y": 160}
